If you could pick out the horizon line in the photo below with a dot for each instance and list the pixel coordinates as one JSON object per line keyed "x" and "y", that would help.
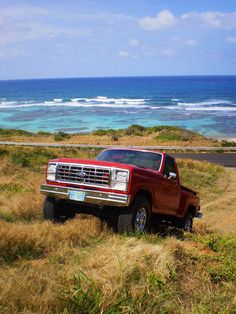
{"x": 118, "y": 76}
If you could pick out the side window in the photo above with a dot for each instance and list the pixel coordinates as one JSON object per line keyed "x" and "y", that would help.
{"x": 169, "y": 167}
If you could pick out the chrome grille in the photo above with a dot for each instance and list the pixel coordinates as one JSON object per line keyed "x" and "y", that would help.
{"x": 83, "y": 174}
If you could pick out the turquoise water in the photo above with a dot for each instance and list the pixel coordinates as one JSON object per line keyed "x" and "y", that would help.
{"x": 203, "y": 104}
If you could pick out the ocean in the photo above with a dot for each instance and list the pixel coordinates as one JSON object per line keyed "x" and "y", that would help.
{"x": 206, "y": 104}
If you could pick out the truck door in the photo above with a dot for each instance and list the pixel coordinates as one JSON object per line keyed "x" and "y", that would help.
{"x": 170, "y": 187}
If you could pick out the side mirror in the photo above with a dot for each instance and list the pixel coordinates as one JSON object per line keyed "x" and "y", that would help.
{"x": 172, "y": 176}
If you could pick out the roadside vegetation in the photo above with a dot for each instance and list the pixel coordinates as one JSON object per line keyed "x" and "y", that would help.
{"x": 135, "y": 134}
{"x": 83, "y": 267}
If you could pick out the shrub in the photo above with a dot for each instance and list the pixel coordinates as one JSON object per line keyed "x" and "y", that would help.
{"x": 44, "y": 133}
{"x": 102, "y": 132}
{"x": 60, "y": 136}
{"x": 8, "y": 132}
{"x": 135, "y": 129}
{"x": 115, "y": 137}
{"x": 228, "y": 144}
{"x": 33, "y": 158}
{"x": 3, "y": 152}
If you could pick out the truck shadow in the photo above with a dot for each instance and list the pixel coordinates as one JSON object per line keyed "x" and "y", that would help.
{"x": 165, "y": 230}
{"x": 156, "y": 228}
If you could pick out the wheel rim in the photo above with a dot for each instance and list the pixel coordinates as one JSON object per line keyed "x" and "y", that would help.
{"x": 140, "y": 219}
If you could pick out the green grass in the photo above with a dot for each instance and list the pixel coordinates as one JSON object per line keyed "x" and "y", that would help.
{"x": 14, "y": 132}
{"x": 166, "y": 133}
{"x": 33, "y": 158}
{"x": 201, "y": 176}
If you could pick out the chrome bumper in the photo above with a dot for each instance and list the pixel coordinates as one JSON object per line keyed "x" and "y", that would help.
{"x": 199, "y": 215}
{"x": 90, "y": 197}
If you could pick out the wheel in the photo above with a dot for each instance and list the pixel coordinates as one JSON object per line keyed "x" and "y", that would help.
{"x": 56, "y": 211}
{"x": 50, "y": 209}
{"x": 188, "y": 222}
{"x": 136, "y": 219}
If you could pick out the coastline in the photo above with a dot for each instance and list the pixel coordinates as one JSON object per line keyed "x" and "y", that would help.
{"x": 201, "y": 104}
{"x": 136, "y": 135}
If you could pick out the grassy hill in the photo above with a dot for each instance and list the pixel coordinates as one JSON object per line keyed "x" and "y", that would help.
{"x": 83, "y": 267}
{"x": 135, "y": 134}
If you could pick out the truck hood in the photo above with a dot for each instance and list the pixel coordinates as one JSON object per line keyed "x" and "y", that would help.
{"x": 93, "y": 162}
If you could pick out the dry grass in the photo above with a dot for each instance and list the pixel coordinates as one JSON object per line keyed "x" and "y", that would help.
{"x": 147, "y": 137}
{"x": 80, "y": 267}
{"x": 37, "y": 239}
{"x": 220, "y": 212}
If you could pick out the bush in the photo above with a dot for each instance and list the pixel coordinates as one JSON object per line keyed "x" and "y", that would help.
{"x": 3, "y": 152}
{"x": 228, "y": 144}
{"x": 44, "y": 133}
{"x": 103, "y": 132}
{"x": 33, "y": 158}
{"x": 115, "y": 137}
{"x": 135, "y": 129}
{"x": 8, "y": 132}
{"x": 60, "y": 136}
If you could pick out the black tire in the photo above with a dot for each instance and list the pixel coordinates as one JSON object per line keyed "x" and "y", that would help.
{"x": 187, "y": 224}
{"x": 55, "y": 210}
{"x": 136, "y": 218}
{"x": 50, "y": 209}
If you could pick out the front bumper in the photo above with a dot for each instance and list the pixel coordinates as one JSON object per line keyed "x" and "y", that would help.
{"x": 89, "y": 196}
{"x": 199, "y": 215}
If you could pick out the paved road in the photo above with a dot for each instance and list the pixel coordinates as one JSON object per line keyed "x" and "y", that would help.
{"x": 179, "y": 148}
{"x": 226, "y": 159}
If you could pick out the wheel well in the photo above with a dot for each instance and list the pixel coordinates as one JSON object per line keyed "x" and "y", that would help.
{"x": 146, "y": 194}
{"x": 192, "y": 210}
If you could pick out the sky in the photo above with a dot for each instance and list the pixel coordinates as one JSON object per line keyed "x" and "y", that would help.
{"x": 93, "y": 38}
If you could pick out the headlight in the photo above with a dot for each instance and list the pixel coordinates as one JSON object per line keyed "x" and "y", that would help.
{"x": 51, "y": 172}
{"x": 119, "y": 179}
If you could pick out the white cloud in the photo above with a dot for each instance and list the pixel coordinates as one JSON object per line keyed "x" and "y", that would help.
{"x": 123, "y": 54}
{"x": 134, "y": 42}
{"x": 231, "y": 39}
{"x": 126, "y": 54}
{"x": 191, "y": 42}
{"x": 212, "y": 19}
{"x": 168, "y": 52}
{"x": 164, "y": 19}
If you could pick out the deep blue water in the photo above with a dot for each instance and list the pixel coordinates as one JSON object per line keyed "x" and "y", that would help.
{"x": 203, "y": 104}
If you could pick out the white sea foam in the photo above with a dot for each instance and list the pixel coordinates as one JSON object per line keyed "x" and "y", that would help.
{"x": 57, "y": 99}
{"x": 75, "y": 99}
{"x": 126, "y": 103}
{"x": 99, "y": 101}
{"x": 206, "y": 103}
{"x": 214, "y": 108}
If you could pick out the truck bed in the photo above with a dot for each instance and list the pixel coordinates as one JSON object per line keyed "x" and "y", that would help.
{"x": 184, "y": 188}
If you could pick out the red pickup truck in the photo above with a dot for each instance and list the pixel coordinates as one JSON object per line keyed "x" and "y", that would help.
{"x": 130, "y": 185}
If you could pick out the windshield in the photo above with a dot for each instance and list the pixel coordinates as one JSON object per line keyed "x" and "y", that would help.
{"x": 132, "y": 157}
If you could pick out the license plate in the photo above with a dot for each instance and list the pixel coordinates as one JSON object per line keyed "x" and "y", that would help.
{"x": 76, "y": 196}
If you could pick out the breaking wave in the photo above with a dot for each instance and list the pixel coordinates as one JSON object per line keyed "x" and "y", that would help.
{"x": 126, "y": 103}
{"x": 99, "y": 101}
